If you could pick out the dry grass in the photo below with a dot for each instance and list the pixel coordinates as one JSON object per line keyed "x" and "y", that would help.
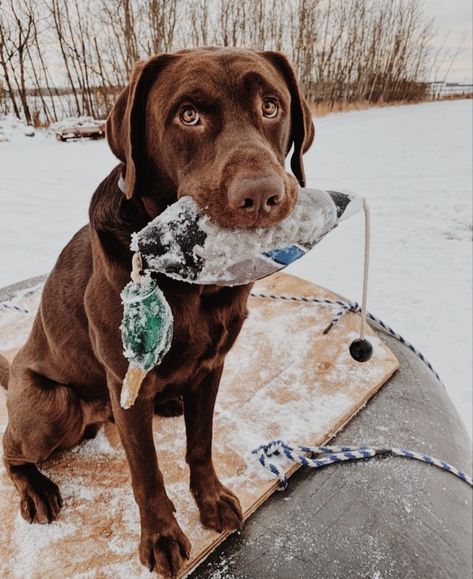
{"x": 322, "y": 109}
{"x": 454, "y": 97}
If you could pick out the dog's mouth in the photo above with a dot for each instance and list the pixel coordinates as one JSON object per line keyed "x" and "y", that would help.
{"x": 263, "y": 219}
{"x": 245, "y": 213}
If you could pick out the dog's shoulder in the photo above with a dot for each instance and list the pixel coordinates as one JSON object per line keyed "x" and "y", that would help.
{"x": 105, "y": 210}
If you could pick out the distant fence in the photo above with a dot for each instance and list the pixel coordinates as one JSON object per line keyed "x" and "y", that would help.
{"x": 437, "y": 90}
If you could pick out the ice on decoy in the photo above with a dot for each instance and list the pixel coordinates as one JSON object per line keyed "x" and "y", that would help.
{"x": 183, "y": 243}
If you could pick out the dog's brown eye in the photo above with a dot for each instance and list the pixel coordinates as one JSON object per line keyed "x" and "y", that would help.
{"x": 270, "y": 108}
{"x": 189, "y": 115}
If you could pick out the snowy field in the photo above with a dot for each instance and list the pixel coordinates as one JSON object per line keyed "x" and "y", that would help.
{"x": 413, "y": 164}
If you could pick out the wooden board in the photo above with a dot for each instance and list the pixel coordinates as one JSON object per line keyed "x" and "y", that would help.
{"x": 283, "y": 379}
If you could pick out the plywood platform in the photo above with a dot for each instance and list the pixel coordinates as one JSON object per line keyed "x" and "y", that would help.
{"x": 283, "y": 379}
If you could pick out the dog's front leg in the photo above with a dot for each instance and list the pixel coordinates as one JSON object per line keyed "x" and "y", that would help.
{"x": 219, "y": 508}
{"x": 163, "y": 545}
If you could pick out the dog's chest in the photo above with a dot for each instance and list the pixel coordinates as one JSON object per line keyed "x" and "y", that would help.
{"x": 204, "y": 332}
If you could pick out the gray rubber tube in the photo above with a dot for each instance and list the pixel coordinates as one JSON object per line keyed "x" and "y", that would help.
{"x": 384, "y": 517}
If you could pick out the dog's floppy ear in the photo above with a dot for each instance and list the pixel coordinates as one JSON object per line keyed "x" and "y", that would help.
{"x": 302, "y": 132}
{"x": 126, "y": 122}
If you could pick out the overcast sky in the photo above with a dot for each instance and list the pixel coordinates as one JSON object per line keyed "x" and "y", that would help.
{"x": 454, "y": 17}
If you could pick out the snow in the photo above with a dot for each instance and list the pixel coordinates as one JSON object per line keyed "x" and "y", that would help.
{"x": 12, "y": 129}
{"x": 412, "y": 163}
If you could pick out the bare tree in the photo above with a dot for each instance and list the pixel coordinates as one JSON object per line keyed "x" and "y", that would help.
{"x": 343, "y": 50}
{"x": 7, "y": 53}
{"x": 17, "y": 26}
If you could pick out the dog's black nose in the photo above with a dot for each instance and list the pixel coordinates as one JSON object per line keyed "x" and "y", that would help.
{"x": 255, "y": 195}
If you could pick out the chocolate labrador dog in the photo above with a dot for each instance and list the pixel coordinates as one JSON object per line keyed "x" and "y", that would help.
{"x": 215, "y": 124}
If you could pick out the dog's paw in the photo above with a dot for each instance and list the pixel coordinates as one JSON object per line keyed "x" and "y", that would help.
{"x": 173, "y": 407}
{"x": 164, "y": 547}
{"x": 40, "y": 500}
{"x": 219, "y": 508}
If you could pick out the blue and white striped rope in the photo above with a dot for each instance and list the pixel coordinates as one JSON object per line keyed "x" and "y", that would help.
{"x": 13, "y": 307}
{"x": 8, "y": 305}
{"x": 320, "y": 456}
{"x": 345, "y": 307}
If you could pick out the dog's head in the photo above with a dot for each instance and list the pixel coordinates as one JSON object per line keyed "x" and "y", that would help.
{"x": 215, "y": 124}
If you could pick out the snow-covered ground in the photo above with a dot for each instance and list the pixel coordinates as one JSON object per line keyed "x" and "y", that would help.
{"x": 413, "y": 164}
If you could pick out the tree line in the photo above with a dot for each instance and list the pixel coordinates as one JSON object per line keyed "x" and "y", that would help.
{"x": 72, "y": 57}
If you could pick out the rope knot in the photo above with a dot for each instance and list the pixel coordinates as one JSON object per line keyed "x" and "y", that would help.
{"x": 269, "y": 449}
{"x": 344, "y": 307}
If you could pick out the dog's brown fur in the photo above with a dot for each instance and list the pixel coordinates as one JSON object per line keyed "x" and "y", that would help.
{"x": 70, "y": 370}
